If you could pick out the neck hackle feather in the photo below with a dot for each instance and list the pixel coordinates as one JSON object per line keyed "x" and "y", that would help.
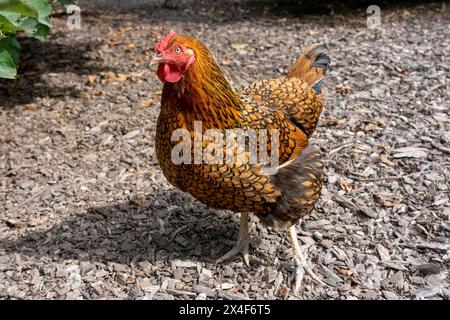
{"x": 204, "y": 87}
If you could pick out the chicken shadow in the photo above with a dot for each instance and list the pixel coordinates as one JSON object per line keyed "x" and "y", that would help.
{"x": 39, "y": 61}
{"x": 150, "y": 230}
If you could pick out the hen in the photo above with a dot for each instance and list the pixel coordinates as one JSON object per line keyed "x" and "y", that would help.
{"x": 197, "y": 97}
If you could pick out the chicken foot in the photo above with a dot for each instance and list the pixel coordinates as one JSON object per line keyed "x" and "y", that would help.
{"x": 300, "y": 262}
{"x": 242, "y": 244}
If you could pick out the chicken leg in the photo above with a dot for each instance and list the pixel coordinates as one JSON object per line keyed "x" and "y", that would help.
{"x": 242, "y": 243}
{"x": 300, "y": 261}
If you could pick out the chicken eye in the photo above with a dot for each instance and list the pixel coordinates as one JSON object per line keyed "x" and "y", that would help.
{"x": 177, "y": 50}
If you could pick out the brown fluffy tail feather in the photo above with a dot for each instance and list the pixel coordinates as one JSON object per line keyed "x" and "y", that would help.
{"x": 311, "y": 66}
{"x": 300, "y": 183}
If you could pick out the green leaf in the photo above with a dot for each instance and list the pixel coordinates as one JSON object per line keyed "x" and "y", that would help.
{"x": 43, "y": 9}
{"x": 38, "y": 9}
{"x": 33, "y": 28}
{"x": 5, "y": 23}
{"x": 10, "y": 44}
{"x": 17, "y": 6}
{"x": 29, "y": 16}
{"x": 34, "y": 21}
{"x": 68, "y": 3}
{"x": 7, "y": 66}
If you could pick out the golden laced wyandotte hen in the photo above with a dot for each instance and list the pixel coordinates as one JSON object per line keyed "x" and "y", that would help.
{"x": 197, "y": 97}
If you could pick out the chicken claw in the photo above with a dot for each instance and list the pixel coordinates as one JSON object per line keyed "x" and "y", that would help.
{"x": 242, "y": 243}
{"x": 300, "y": 262}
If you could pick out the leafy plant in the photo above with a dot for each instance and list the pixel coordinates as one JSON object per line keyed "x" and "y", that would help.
{"x": 29, "y": 16}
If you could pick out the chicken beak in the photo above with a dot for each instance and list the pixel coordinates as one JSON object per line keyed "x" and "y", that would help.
{"x": 156, "y": 59}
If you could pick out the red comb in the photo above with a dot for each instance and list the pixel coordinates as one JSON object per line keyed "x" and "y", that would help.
{"x": 164, "y": 42}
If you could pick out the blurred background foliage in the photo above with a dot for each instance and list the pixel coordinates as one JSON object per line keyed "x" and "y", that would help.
{"x": 29, "y": 16}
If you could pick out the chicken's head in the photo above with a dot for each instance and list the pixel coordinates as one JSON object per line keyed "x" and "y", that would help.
{"x": 173, "y": 58}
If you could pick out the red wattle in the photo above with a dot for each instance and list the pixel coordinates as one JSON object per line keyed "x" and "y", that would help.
{"x": 169, "y": 72}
